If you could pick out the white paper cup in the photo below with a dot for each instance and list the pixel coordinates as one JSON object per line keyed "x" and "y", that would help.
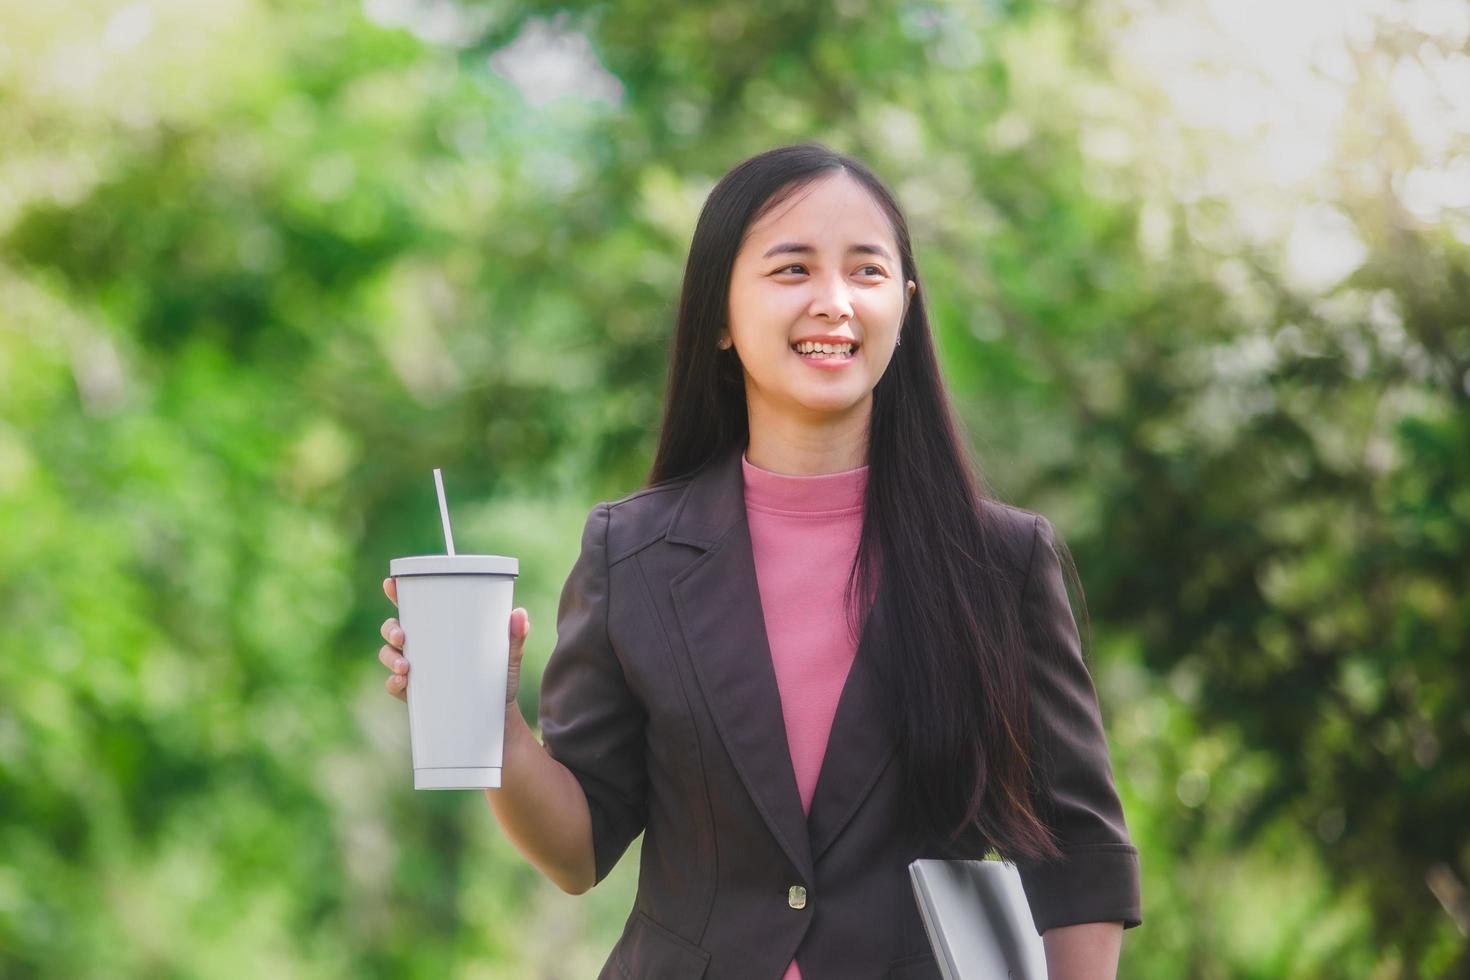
{"x": 455, "y": 613}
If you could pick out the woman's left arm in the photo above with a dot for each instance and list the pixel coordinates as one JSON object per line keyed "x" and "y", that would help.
{"x": 1082, "y": 901}
{"x": 1088, "y": 951}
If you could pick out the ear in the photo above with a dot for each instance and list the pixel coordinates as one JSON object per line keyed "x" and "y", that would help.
{"x": 908, "y": 296}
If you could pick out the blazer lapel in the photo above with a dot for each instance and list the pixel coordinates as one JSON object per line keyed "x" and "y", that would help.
{"x": 858, "y": 749}
{"x": 718, "y": 604}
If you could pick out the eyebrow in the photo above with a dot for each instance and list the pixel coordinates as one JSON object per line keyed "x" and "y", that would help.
{"x": 800, "y": 248}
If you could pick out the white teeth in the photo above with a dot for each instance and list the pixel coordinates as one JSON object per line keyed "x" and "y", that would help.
{"x": 808, "y": 347}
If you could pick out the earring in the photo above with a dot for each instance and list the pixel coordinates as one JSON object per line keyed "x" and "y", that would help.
{"x": 898, "y": 341}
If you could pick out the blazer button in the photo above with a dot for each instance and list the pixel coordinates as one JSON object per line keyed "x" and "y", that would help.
{"x": 796, "y": 897}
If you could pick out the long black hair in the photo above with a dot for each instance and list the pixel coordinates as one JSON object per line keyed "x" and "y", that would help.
{"x": 954, "y": 654}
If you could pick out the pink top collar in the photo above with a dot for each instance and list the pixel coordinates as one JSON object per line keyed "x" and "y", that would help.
{"x": 782, "y": 493}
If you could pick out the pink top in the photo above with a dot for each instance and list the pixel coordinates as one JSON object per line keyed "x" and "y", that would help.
{"x": 804, "y": 531}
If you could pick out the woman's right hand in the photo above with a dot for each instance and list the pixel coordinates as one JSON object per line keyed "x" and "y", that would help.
{"x": 391, "y": 654}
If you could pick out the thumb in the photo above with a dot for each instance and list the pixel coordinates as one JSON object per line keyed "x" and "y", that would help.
{"x": 520, "y": 625}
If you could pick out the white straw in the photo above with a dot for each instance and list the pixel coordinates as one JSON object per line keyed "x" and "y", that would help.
{"x": 443, "y": 510}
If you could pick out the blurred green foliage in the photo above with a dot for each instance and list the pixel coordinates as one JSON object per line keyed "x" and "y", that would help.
{"x": 263, "y": 266}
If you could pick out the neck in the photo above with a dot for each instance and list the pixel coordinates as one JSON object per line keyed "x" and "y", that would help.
{"x": 810, "y": 445}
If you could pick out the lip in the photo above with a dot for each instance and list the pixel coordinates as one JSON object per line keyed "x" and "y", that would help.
{"x": 829, "y": 363}
{"x": 828, "y": 338}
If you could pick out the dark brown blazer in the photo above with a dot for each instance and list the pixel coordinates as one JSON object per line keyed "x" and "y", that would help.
{"x": 661, "y": 699}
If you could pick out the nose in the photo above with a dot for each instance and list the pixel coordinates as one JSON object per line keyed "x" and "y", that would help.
{"x": 831, "y": 301}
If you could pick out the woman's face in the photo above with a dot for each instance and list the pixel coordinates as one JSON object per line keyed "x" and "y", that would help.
{"x": 822, "y": 266}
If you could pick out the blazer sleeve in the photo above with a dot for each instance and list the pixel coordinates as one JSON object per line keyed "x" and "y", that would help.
{"x": 1097, "y": 878}
{"x": 591, "y": 721}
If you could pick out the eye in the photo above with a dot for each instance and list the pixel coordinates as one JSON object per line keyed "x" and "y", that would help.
{"x": 876, "y": 270}
{"x": 794, "y": 265}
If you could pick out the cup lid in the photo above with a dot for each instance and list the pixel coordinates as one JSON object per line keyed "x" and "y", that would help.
{"x": 454, "y": 565}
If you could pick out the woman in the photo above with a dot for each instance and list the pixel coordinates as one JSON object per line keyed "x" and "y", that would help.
{"x": 811, "y": 650}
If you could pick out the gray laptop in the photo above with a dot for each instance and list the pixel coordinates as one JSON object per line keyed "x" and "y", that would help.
{"x": 978, "y": 920}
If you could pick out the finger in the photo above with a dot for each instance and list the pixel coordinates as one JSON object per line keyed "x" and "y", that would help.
{"x": 520, "y": 626}
{"x": 392, "y": 632}
{"x": 389, "y": 657}
{"x": 390, "y": 589}
{"x": 397, "y": 686}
